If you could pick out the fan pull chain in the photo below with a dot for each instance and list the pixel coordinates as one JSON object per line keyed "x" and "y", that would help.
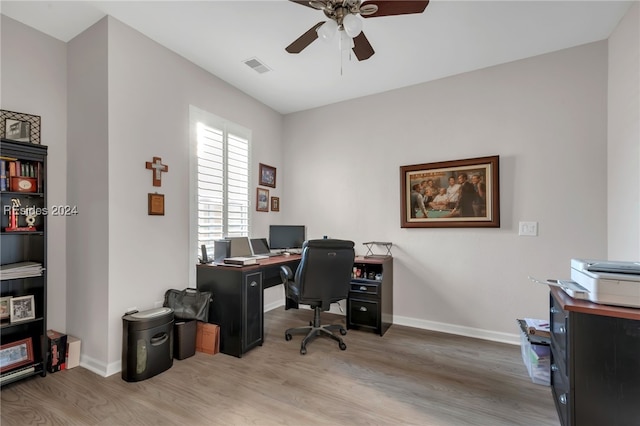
{"x": 341, "y": 55}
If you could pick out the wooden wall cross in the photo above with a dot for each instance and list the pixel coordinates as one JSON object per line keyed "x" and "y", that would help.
{"x": 157, "y": 168}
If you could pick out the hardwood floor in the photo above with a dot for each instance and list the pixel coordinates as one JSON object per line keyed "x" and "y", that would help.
{"x": 409, "y": 376}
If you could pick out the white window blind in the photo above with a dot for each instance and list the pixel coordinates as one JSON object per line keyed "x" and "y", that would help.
{"x": 222, "y": 185}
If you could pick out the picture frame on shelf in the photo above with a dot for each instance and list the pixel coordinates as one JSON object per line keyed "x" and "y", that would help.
{"x": 275, "y": 204}
{"x": 17, "y": 130}
{"x": 16, "y": 354}
{"x": 451, "y": 194}
{"x": 22, "y": 308}
{"x": 5, "y": 308}
{"x": 20, "y": 127}
{"x": 262, "y": 200}
{"x": 267, "y": 176}
{"x": 156, "y": 204}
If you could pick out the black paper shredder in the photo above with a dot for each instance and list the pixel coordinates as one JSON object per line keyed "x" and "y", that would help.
{"x": 147, "y": 343}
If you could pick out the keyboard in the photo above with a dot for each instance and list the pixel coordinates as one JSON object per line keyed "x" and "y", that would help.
{"x": 266, "y": 255}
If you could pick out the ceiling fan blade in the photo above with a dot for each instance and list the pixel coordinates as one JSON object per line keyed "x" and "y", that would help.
{"x": 304, "y": 40}
{"x": 362, "y": 48}
{"x": 316, "y": 4}
{"x": 395, "y": 7}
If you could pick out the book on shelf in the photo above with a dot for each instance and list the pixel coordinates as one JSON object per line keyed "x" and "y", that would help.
{"x": 3, "y": 175}
{"x": 240, "y": 260}
{"x": 12, "y": 271}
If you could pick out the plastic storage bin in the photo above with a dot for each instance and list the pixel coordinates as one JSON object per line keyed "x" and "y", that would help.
{"x": 147, "y": 343}
{"x": 536, "y": 355}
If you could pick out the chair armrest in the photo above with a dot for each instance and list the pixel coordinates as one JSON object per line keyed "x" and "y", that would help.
{"x": 286, "y": 274}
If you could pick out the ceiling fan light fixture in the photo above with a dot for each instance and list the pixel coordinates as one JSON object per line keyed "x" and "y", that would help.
{"x": 352, "y": 25}
{"x": 328, "y": 30}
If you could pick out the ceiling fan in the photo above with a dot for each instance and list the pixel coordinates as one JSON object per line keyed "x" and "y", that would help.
{"x": 343, "y": 19}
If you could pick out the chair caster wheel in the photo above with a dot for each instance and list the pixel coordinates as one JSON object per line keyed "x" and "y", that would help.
{"x": 287, "y": 336}
{"x": 342, "y": 346}
{"x": 343, "y": 331}
{"x": 303, "y": 351}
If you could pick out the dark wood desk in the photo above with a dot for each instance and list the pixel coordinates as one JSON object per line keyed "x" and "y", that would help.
{"x": 595, "y": 362}
{"x": 238, "y": 304}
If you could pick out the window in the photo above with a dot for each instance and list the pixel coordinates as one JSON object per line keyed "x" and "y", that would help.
{"x": 222, "y": 180}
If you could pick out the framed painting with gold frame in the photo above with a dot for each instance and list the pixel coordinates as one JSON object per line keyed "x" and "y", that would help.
{"x": 451, "y": 194}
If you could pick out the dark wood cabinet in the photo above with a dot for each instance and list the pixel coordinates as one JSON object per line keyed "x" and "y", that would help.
{"x": 595, "y": 362}
{"x": 238, "y": 304}
{"x": 370, "y": 301}
{"x": 23, "y": 239}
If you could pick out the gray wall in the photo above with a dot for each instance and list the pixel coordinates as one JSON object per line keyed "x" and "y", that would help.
{"x": 88, "y": 236}
{"x": 623, "y": 155}
{"x": 33, "y": 80}
{"x": 544, "y": 116}
{"x": 144, "y": 98}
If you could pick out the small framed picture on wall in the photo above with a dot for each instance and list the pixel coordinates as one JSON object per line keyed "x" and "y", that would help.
{"x": 275, "y": 204}
{"x": 262, "y": 200}
{"x": 267, "y": 175}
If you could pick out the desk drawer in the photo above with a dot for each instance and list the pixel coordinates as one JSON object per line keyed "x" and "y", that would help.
{"x": 559, "y": 322}
{"x": 363, "y": 313}
{"x": 561, "y": 394}
{"x": 365, "y": 287}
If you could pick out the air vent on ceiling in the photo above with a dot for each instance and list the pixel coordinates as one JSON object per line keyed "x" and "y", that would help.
{"x": 257, "y": 65}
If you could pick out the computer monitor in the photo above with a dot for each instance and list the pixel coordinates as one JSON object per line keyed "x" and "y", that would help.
{"x": 282, "y": 237}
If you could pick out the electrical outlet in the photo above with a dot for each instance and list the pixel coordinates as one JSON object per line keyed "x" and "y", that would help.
{"x": 528, "y": 229}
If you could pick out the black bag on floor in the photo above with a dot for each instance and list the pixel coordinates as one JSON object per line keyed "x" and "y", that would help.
{"x": 188, "y": 304}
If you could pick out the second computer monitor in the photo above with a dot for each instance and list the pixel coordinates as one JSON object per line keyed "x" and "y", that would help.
{"x": 283, "y": 237}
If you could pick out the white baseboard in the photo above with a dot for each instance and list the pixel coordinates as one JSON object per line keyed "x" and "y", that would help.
{"x": 100, "y": 368}
{"x": 494, "y": 336}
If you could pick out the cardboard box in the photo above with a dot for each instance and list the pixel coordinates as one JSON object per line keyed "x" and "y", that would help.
{"x": 207, "y": 338}
{"x": 73, "y": 352}
{"x": 56, "y": 351}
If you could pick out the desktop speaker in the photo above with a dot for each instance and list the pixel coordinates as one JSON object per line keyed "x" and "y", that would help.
{"x": 221, "y": 250}
{"x": 205, "y": 257}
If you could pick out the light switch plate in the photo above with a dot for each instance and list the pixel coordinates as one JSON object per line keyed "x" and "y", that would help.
{"x": 528, "y": 229}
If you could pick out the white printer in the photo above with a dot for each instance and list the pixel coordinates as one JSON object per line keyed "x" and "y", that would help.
{"x": 608, "y": 282}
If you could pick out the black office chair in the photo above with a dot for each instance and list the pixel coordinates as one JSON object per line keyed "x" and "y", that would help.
{"x": 322, "y": 278}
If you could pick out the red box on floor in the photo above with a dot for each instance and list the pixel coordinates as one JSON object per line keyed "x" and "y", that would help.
{"x": 56, "y": 351}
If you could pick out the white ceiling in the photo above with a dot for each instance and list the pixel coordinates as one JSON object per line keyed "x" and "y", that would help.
{"x": 450, "y": 37}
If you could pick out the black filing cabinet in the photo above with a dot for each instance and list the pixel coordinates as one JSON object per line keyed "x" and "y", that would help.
{"x": 595, "y": 362}
{"x": 237, "y": 305}
{"x": 370, "y": 301}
